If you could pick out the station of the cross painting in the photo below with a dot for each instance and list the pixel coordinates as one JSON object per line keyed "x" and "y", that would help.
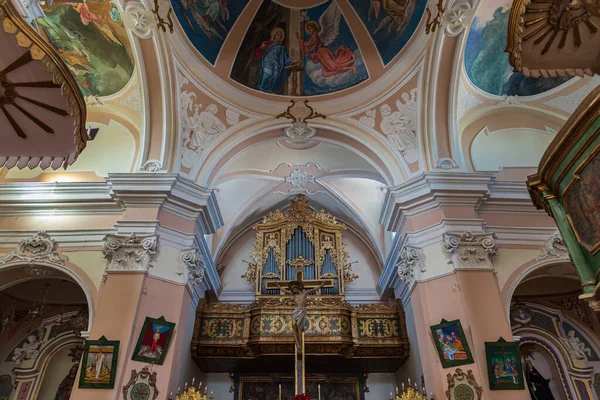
{"x": 299, "y": 200}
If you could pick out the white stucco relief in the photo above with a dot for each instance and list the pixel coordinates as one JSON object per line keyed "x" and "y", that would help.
{"x": 400, "y": 125}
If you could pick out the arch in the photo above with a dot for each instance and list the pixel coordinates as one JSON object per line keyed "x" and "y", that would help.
{"x": 521, "y": 273}
{"x": 73, "y": 271}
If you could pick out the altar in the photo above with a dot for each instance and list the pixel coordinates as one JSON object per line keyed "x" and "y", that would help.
{"x": 263, "y": 346}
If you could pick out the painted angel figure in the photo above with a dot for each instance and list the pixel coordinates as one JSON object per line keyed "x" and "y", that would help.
{"x": 299, "y": 314}
{"x": 323, "y": 34}
{"x": 398, "y": 15}
{"x": 210, "y": 15}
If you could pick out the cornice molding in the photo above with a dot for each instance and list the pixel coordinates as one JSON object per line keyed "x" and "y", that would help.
{"x": 58, "y": 198}
{"x": 170, "y": 191}
{"x": 65, "y": 238}
{"x": 428, "y": 191}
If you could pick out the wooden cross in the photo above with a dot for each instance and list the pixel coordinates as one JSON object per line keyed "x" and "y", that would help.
{"x": 299, "y": 264}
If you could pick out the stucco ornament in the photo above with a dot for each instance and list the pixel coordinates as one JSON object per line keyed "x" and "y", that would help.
{"x": 470, "y": 250}
{"x": 458, "y": 17}
{"x": 28, "y": 351}
{"x": 446, "y": 163}
{"x": 577, "y": 348}
{"x": 129, "y": 253}
{"x": 200, "y": 127}
{"x": 138, "y": 20}
{"x": 400, "y": 126}
{"x": 152, "y": 166}
{"x": 192, "y": 262}
{"x": 40, "y": 247}
{"x": 555, "y": 246}
{"x": 368, "y": 119}
{"x": 299, "y": 132}
{"x": 410, "y": 260}
{"x": 299, "y": 178}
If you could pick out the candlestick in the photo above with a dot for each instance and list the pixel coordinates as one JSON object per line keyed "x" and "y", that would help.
{"x": 319, "y": 387}
{"x": 396, "y": 389}
{"x": 193, "y": 381}
{"x": 205, "y": 389}
{"x": 402, "y": 386}
{"x": 171, "y": 396}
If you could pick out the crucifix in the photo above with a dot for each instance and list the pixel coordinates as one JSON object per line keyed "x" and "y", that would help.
{"x": 300, "y": 289}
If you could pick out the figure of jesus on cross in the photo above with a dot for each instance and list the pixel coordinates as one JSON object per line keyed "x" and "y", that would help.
{"x": 296, "y": 289}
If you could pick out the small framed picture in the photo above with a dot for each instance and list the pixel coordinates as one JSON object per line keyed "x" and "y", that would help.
{"x": 451, "y": 344}
{"x": 154, "y": 340}
{"x": 505, "y": 370}
{"x": 99, "y": 364}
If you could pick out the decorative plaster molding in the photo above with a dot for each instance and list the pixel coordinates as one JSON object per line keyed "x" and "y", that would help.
{"x": 571, "y": 101}
{"x": 152, "y": 166}
{"x": 192, "y": 263}
{"x": 410, "y": 260}
{"x": 299, "y": 178}
{"x": 555, "y": 246}
{"x": 130, "y": 253}
{"x": 446, "y": 164}
{"x": 299, "y": 132}
{"x": 510, "y": 101}
{"x": 40, "y": 247}
{"x": 138, "y": 20}
{"x": 470, "y": 250}
{"x": 368, "y": 119}
{"x": 400, "y": 126}
{"x": 458, "y": 17}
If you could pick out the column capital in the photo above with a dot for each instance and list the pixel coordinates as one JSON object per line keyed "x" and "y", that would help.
{"x": 193, "y": 269}
{"x": 169, "y": 192}
{"x": 410, "y": 264}
{"x": 129, "y": 253}
{"x": 469, "y": 250}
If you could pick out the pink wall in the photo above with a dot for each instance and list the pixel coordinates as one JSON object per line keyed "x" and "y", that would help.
{"x": 474, "y": 298}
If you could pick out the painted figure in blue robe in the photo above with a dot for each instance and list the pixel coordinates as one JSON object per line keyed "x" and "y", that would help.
{"x": 275, "y": 63}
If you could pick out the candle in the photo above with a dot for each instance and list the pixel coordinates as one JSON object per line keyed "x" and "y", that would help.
{"x": 205, "y": 389}
{"x": 408, "y": 381}
{"x": 403, "y": 386}
{"x": 200, "y": 385}
{"x": 319, "y": 387}
{"x": 171, "y": 396}
{"x": 185, "y": 387}
{"x": 396, "y": 389}
{"x": 178, "y": 389}
{"x": 391, "y": 396}
{"x": 280, "y": 391}
{"x": 193, "y": 381}
{"x": 211, "y": 392}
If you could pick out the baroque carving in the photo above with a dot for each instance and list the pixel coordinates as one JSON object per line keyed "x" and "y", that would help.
{"x": 470, "y": 250}
{"x": 410, "y": 260}
{"x": 555, "y": 246}
{"x": 577, "y": 348}
{"x": 138, "y": 20}
{"x": 129, "y": 253}
{"x": 400, "y": 126}
{"x": 29, "y": 350}
{"x": 299, "y": 178}
{"x": 446, "y": 163}
{"x": 40, "y": 247}
{"x": 368, "y": 119}
{"x": 192, "y": 262}
{"x": 463, "y": 386}
{"x": 152, "y": 166}
{"x": 458, "y": 18}
{"x": 141, "y": 385}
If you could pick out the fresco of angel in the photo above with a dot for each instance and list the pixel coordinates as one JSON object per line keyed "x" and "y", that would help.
{"x": 323, "y": 34}
{"x": 398, "y": 15}
{"x": 210, "y": 15}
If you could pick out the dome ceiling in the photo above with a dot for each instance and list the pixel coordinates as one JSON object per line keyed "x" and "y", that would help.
{"x": 299, "y": 48}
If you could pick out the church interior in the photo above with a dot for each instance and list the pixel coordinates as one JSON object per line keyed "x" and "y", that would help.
{"x": 300, "y": 199}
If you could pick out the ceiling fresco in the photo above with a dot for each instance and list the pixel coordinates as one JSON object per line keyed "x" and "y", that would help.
{"x": 91, "y": 39}
{"x": 391, "y": 23}
{"x": 486, "y": 61}
{"x": 301, "y": 52}
{"x": 208, "y": 22}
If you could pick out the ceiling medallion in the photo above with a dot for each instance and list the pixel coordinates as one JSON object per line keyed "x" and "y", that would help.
{"x": 299, "y": 113}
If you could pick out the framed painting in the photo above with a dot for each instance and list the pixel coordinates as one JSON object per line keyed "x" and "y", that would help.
{"x": 451, "y": 344}
{"x": 505, "y": 371}
{"x": 99, "y": 364}
{"x": 154, "y": 340}
{"x": 581, "y": 202}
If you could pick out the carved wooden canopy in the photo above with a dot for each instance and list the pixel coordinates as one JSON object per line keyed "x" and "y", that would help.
{"x": 42, "y": 111}
{"x": 554, "y": 37}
